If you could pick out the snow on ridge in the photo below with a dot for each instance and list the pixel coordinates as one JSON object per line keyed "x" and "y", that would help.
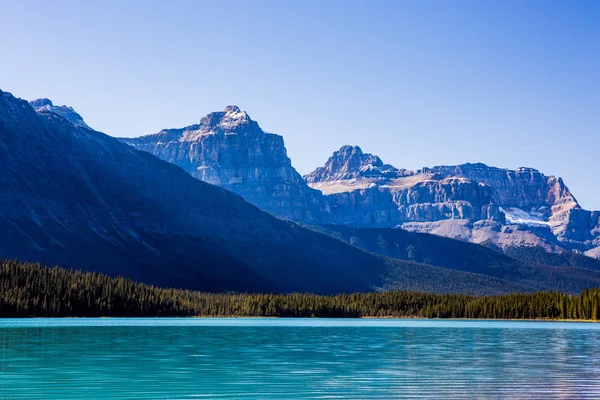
{"x": 517, "y": 216}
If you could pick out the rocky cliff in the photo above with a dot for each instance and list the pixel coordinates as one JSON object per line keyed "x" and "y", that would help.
{"x": 474, "y": 202}
{"x": 363, "y": 191}
{"x": 525, "y": 188}
{"x": 529, "y": 196}
{"x": 229, "y": 149}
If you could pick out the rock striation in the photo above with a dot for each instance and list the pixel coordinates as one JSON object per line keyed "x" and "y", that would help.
{"x": 363, "y": 191}
{"x": 545, "y": 198}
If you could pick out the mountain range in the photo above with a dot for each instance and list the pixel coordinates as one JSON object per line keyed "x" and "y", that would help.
{"x": 496, "y": 207}
{"x": 79, "y": 198}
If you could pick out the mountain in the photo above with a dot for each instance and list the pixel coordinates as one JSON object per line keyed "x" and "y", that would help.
{"x": 351, "y": 163}
{"x": 530, "y": 198}
{"x": 474, "y": 202}
{"x": 361, "y": 193}
{"x": 79, "y": 198}
{"x": 229, "y": 149}
{"x": 496, "y": 207}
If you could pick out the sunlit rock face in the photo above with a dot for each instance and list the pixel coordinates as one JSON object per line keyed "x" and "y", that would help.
{"x": 472, "y": 202}
{"x": 530, "y": 198}
{"x": 350, "y": 162}
{"x": 229, "y": 149}
{"x": 363, "y": 191}
{"x": 525, "y": 188}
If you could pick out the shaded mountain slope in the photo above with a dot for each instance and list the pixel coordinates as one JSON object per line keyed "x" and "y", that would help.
{"x": 79, "y": 198}
{"x": 567, "y": 258}
{"x": 469, "y": 257}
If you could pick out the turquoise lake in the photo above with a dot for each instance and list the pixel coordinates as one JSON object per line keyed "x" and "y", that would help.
{"x": 297, "y": 359}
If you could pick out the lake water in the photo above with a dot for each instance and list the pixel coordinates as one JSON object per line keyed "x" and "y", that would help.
{"x": 297, "y": 359}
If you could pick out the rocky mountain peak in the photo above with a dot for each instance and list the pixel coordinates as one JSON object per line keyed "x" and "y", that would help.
{"x": 349, "y": 162}
{"x": 234, "y": 109}
{"x": 41, "y": 103}
{"x": 230, "y": 121}
{"x": 46, "y": 105}
{"x": 229, "y": 149}
{"x": 348, "y": 150}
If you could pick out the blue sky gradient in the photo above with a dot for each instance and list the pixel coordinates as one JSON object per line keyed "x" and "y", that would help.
{"x": 418, "y": 83}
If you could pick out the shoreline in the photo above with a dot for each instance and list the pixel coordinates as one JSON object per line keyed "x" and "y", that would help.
{"x": 325, "y": 318}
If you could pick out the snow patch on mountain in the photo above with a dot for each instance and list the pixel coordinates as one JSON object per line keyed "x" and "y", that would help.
{"x": 517, "y": 216}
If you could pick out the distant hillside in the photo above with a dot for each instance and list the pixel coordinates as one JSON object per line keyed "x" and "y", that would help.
{"x": 539, "y": 255}
{"x": 571, "y": 274}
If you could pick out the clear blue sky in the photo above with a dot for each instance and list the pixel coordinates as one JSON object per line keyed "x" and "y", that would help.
{"x": 419, "y": 83}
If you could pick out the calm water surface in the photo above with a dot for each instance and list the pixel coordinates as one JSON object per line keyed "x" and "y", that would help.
{"x": 297, "y": 358}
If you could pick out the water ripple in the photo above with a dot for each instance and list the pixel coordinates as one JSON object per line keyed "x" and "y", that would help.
{"x": 310, "y": 359}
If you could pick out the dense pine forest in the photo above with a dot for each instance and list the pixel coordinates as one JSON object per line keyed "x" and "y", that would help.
{"x": 31, "y": 290}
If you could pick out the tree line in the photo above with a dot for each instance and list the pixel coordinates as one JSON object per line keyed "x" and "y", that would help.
{"x": 32, "y": 290}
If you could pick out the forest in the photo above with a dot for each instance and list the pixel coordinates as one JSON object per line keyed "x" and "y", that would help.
{"x": 33, "y": 290}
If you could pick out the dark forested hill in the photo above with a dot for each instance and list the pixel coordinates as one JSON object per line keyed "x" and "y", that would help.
{"x": 535, "y": 268}
{"x": 539, "y": 255}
